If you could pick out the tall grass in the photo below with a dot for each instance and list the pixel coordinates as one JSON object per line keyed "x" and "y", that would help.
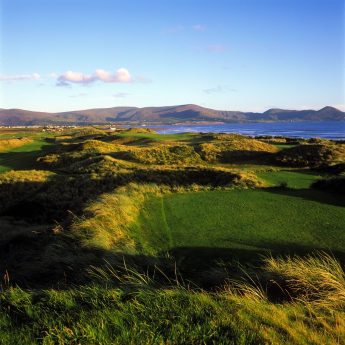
{"x": 110, "y": 221}
{"x": 145, "y": 312}
{"x": 316, "y": 278}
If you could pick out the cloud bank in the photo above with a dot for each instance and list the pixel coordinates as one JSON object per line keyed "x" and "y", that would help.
{"x": 122, "y": 75}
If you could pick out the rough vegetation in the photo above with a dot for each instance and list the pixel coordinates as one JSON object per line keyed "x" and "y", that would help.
{"x": 235, "y": 150}
{"x": 312, "y": 155}
{"x": 135, "y": 237}
{"x": 6, "y": 144}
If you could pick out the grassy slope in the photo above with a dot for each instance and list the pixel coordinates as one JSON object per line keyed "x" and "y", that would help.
{"x": 96, "y": 315}
{"x": 22, "y": 157}
{"x": 248, "y": 220}
{"x": 242, "y": 220}
{"x": 293, "y": 179}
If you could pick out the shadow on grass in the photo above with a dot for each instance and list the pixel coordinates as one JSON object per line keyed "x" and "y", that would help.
{"x": 25, "y": 160}
{"x": 38, "y": 253}
{"x": 310, "y": 194}
{"x": 48, "y": 256}
{"x": 61, "y": 195}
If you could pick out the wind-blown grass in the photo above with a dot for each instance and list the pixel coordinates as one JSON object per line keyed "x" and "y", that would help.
{"x": 316, "y": 278}
{"x": 144, "y": 312}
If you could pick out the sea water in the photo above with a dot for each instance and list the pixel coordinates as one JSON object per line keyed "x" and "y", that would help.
{"x": 334, "y": 130}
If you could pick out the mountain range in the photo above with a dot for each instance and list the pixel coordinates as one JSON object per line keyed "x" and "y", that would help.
{"x": 162, "y": 115}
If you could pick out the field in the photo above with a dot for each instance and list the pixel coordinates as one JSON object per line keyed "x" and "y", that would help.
{"x": 135, "y": 237}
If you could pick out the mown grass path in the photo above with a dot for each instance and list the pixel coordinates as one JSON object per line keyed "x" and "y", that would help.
{"x": 166, "y": 225}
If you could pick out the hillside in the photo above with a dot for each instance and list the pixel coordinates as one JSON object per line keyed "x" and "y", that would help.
{"x": 166, "y": 114}
{"x": 135, "y": 237}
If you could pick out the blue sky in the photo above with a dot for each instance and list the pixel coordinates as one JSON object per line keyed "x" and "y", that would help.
{"x": 225, "y": 54}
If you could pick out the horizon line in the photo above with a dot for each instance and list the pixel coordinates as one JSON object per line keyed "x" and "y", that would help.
{"x": 187, "y": 104}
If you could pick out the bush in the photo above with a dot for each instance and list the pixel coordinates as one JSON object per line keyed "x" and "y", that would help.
{"x": 334, "y": 184}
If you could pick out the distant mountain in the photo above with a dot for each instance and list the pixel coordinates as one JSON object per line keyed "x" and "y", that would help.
{"x": 162, "y": 115}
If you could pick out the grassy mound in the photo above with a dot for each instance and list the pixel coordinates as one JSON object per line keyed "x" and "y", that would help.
{"x": 26, "y": 183}
{"x": 312, "y": 155}
{"x": 164, "y": 155}
{"x": 100, "y": 164}
{"x": 17, "y": 176}
{"x": 8, "y": 144}
{"x": 234, "y": 150}
{"x": 68, "y": 155}
{"x": 97, "y": 146}
{"x": 110, "y": 222}
{"x": 86, "y": 133}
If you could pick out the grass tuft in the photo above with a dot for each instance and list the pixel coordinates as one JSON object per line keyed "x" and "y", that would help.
{"x": 316, "y": 278}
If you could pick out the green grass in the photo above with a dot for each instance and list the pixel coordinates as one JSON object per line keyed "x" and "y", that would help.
{"x": 111, "y": 316}
{"x": 247, "y": 220}
{"x": 142, "y": 312}
{"x": 22, "y": 157}
{"x": 293, "y": 179}
{"x": 185, "y": 237}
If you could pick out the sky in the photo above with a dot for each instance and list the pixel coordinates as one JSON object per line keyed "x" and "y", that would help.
{"x": 248, "y": 55}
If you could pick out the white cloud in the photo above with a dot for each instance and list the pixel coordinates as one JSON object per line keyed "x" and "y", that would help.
{"x": 33, "y": 76}
{"x": 120, "y": 76}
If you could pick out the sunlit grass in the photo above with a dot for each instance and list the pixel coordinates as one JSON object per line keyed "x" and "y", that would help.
{"x": 292, "y": 179}
{"x": 143, "y": 311}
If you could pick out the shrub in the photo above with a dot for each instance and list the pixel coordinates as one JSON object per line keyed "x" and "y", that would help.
{"x": 333, "y": 184}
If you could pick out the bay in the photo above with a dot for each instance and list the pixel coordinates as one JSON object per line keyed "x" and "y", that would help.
{"x": 334, "y": 130}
